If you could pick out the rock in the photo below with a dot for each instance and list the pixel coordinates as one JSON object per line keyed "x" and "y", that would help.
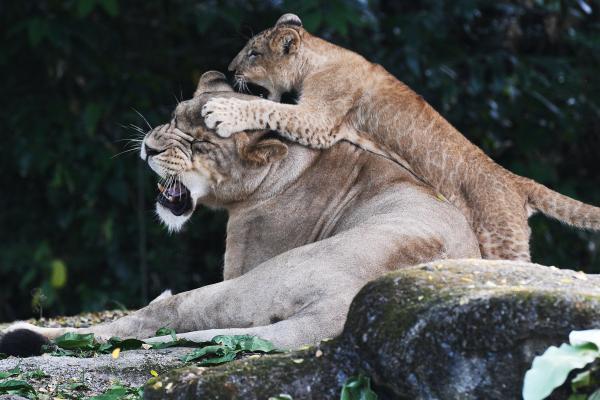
{"x": 467, "y": 329}
{"x": 457, "y": 329}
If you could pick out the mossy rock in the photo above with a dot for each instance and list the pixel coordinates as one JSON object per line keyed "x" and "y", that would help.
{"x": 458, "y": 329}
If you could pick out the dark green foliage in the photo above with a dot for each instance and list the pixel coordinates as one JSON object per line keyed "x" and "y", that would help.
{"x": 85, "y": 345}
{"x": 226, "y": 348}
{"x": 519, "y": 78}
{"x": 166, "y": 332}
{"x": 16, "y": 387}
{"x": 358, "y": 388}
{"x": 120, "y": 392}
{"x": 218, "y": 350}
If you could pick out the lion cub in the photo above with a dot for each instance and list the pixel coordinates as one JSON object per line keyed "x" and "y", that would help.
{"x": 345, "y": 97}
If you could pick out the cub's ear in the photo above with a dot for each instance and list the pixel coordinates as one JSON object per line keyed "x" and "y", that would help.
{"x": 261, "y": 152}
{"x": 289, "y": 19}
{"x": 285, "y": 40}
{"x": 212, "y": 81}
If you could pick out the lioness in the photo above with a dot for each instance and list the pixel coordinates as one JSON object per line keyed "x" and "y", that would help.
{"x": 307, "y": 229}
{"x": 345, "y": 97}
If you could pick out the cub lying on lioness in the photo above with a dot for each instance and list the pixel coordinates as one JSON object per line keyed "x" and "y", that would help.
{"x": 289, "y": 276}
{"x": 345, "y": 97}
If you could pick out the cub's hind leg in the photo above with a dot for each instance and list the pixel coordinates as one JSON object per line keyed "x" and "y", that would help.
{"x": 503, "y": 235}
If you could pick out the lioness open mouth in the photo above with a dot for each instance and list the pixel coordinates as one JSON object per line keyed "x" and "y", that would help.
{"x": 176, "y": 198}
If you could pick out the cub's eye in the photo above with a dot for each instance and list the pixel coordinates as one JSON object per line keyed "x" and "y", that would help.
{"x": 202, "y": 146}
{"x": 253, "y": 54}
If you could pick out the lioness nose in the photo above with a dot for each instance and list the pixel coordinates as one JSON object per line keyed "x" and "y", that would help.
{"x": 150, "y": 151}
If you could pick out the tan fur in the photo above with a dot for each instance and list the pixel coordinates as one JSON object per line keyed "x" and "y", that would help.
{"x": 306, "y": 230}
{"x": 345, "y": 97}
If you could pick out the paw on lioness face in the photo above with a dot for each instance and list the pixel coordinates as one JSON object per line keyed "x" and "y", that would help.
{"x": 196, "y": 165}
{"x": 225, "y": 115}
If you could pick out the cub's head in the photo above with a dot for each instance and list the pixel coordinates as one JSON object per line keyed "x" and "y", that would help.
{"x": 271, "y": 59}
{"x": 196, "y": 166}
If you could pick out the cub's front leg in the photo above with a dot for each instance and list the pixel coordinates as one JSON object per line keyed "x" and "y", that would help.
{"x": 308, "y": 127}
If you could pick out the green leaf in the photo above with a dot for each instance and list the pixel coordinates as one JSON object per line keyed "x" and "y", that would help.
{"x": 225, "y": 348}
{"x": 123, "y": 344}
{"x": 115, "y": 393}
{"x": 118, "y": 392}
{"x": 164, "y": 331}
{"x": 16, "y": 386}
{"x": 227, "y": 357}
{"x": 58, "y": 352}
{"x": 36, "y": 374}
{"x": 218, "y": 350}
{"x": 577, "y": 397}
{"x": 581, "y": 380}
{"x": 76, "y": 341}
{"x": 175, "y": 343}
{"x": 583, "y": 337}
{"x": 358, "y": 388}
{"x": 130, "y": 344}
{"x": 11, "y": 372}
{"x": 245, "y": 343}
{"x": 550, "y": 370}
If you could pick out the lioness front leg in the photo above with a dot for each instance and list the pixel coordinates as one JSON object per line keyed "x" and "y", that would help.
{"x": 309, "y": 127}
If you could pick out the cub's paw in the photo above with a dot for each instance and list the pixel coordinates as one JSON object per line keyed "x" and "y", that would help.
{"x": 224, "y": 115}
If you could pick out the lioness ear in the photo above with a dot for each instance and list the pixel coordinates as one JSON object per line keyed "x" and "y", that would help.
{"x": 289, "y": 19}
{"x": 285, "y": 40}
{"x": 212, "y": 81}
{"x": 263, "y": 152}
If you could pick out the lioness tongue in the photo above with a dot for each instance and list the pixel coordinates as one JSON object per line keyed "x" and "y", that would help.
{"x": 175, "y": 190}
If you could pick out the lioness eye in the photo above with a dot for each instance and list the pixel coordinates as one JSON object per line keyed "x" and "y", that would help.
{"x": 202, "y": 146}
{"x": 253, "y": 54}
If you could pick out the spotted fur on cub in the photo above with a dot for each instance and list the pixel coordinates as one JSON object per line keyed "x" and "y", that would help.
{"x": 344, "y": 97}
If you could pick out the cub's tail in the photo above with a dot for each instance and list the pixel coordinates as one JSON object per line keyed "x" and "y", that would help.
{"x": 561, "y": 207}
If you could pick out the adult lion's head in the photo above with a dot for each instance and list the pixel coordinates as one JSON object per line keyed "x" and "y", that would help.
{"x": 197, "y": 166}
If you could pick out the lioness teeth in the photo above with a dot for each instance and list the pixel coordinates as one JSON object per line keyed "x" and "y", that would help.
{"x": 161, "y": 188}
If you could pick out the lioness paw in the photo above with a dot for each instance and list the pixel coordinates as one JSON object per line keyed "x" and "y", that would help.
{"x": 224, "y": 115}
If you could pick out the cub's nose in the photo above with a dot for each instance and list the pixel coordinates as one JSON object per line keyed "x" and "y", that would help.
{"x": 151, "y": 151}
{"x": 233, "y": 65}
